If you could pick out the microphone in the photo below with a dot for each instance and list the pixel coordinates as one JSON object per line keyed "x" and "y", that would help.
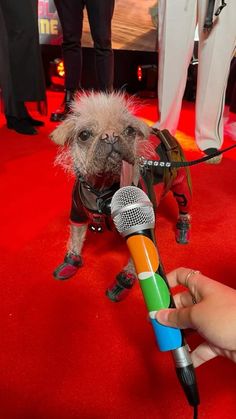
{"x": 134, "y": 218}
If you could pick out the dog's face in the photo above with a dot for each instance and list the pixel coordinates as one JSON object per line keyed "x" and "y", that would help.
{"x": 100, "y": 133}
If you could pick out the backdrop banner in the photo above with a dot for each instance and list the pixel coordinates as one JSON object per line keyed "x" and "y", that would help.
{"x": 133, "y": 25}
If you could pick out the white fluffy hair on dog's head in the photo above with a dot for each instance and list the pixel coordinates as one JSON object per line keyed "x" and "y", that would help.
{"x": 95, "y": 120}
{"x": 104, "y": 109}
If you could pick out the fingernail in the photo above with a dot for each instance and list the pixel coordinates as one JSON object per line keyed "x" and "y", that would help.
{"x": 162, "y": 316}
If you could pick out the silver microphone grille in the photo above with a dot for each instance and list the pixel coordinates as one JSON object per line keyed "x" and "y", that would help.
{"x": 132, "y": 210}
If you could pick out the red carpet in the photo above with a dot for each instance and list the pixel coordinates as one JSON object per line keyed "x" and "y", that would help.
{"x": 68, "y": 352}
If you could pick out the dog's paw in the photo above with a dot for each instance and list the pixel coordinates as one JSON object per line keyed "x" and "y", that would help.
{"x": 69, "y": 267}
{"x": 119, "y": 290}
{"x": 182, "y": 232}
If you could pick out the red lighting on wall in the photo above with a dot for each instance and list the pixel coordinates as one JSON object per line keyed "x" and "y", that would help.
{"x": 139, "y": 73}
{"x": 147, "y": 78}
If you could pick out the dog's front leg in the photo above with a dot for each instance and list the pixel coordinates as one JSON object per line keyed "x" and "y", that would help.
{"x": 124, "y": 281}
{"x": 72, "y": 261}
{"x": 76, "y": 239}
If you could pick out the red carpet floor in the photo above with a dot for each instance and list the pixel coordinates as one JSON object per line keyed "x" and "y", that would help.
{"x": 68, "y": 352}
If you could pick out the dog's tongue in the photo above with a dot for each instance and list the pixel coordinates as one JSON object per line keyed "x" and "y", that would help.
{"x": 128, "y": 175}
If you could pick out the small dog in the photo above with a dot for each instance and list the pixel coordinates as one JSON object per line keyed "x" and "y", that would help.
{"x": 102, "y": 144}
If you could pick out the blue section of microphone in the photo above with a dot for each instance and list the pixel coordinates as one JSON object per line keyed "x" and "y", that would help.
{"x": 167, "y": 338}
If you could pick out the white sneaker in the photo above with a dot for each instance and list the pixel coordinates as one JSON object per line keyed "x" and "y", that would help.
{"x": 214, "y": 159}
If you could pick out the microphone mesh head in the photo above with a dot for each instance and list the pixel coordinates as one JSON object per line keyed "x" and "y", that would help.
{"x": 131, "y": 209}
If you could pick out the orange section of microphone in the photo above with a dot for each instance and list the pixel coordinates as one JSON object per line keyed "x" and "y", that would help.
{"x": 143, "y": 253}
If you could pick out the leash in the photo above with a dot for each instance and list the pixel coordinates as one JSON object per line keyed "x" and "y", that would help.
{"x": 144, "y": 163}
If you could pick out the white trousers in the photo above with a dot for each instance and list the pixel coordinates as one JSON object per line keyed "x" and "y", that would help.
{"x": 177, "y": 23}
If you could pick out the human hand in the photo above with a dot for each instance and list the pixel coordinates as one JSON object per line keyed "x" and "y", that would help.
{"x": 207, "y": 306}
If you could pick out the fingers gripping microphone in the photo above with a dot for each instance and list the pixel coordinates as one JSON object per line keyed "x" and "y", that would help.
{"x": 134, "y": 218}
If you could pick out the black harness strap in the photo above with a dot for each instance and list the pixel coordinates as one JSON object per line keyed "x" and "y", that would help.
{"x": 210, "y": 14}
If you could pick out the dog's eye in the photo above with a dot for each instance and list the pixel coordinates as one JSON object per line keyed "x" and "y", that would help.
{"x": 85, "y": 135}
{"x": 129, "y": 131}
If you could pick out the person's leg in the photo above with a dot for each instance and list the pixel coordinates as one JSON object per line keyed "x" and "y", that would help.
{"x": 70, "y": 13}
{"x": 215, "y": 53}
{"x": 230, "y": 123}
{"x": 230, "y": 84}
{"x": 232, "y": 106}
{"x": 100, "y": 14}
{"x": 176, "y": 28}
{"x": 22, "y": 74}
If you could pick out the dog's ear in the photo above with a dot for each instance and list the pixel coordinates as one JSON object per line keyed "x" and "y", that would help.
{"x": 63, "y": 133}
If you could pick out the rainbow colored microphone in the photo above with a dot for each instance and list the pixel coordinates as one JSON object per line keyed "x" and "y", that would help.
{"x": 134, "y": 218}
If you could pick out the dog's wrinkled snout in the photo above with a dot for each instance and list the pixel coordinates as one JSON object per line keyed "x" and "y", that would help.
{"x": 110, "y": 138}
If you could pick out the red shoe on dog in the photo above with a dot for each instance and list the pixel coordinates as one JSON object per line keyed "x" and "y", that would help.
{"x": 182, "y": 233}
{"x": 120, "y": 288}
{"x": 69, "y": 267}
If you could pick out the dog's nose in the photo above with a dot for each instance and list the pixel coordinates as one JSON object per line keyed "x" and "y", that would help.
{"x": 110, "y": 138}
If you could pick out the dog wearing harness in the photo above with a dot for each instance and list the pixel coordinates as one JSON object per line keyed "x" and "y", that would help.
{"x": 102, "y": 143}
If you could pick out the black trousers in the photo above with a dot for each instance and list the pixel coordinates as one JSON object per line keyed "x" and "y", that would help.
{"x": 100, "y": 14}
{"x": 21, "y": 72}
{"x": 231, "y": 87}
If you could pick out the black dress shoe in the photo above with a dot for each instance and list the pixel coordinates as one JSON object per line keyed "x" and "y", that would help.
{"x": 34, "y": 122}
{"x": 60, "y": 114}
{"x": 22, "y": 126}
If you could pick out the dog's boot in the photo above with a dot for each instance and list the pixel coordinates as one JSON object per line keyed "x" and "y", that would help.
{"x": 121, "y": 287}
{"x": 69, "y": 267}
{"x": 182, "y": 232}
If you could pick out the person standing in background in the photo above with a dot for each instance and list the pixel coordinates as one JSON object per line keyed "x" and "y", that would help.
{"x": 100, "y": 13}
{"x": 177, "y": 21}
{"x": 230, "y": 109}
{"x": 21, "y": 70}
